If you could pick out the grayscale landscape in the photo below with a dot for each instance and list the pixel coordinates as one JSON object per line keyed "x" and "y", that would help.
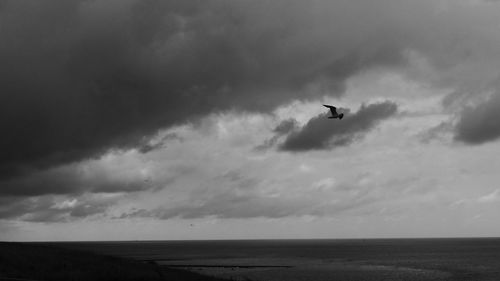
{"x": 241, "y": 140}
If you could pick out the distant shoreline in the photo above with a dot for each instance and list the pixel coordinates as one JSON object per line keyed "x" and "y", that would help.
{"x": 260, "y": 239}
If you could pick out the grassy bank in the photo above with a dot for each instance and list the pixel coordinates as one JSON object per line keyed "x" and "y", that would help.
{"x": 49, "y": 263}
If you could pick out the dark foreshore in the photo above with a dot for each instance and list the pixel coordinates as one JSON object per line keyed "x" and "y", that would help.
{"x": 37, "y": 262}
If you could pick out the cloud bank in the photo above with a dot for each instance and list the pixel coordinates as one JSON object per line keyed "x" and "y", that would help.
{"x": 82, "y": 80}
{"x": 83, "y": 77}
{"x": 323, "y": 133}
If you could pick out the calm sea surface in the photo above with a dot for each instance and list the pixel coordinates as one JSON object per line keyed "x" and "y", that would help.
{"x": 273, "y": 260}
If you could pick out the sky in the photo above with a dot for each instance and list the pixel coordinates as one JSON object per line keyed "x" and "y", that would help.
{"x": 152, "y": 119}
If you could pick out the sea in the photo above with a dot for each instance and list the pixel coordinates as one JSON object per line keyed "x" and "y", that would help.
{"x": 317, "y": 259}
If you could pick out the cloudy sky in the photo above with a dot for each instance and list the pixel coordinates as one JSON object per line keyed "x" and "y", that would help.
{"x": 203, "y": 119}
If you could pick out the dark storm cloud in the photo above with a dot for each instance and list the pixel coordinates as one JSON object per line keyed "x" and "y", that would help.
{"x": 480, "y": 124}
{"x": 78, "y": 78}
{"x": 74, "y": 179}
{"x": 323, "y": 133}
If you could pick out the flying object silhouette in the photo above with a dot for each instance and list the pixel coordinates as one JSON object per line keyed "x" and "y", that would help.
{"x": 333, "y": 109}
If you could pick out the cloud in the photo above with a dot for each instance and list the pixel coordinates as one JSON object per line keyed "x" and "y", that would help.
{"x": 54, "y": 208}
{"x": 154, "y": 144}
{"x": 82, "y": 80}
{"x": 438, "y": 132}
{"x": 491, "y": 197}
{"x": 83, "y": 77}
{"x": 282, "y": 129}
{"x": 232, "y": 205}
{"x": 479, "y": 124}
{"x": 286, "y": 126}
{"x": 238, "y": 196}
{"x": 113, "y": 174}
{"x": 321, "y": 133}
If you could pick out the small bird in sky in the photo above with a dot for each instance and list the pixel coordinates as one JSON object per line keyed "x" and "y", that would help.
{"x": 333, "y": 109}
